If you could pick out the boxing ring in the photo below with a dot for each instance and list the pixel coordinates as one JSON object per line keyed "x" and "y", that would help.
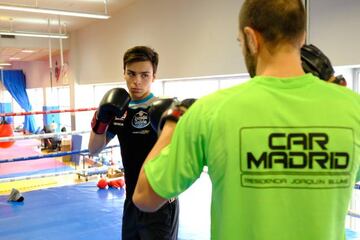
{"x": 83, "y": 211}
{"x": 77, "y": 210}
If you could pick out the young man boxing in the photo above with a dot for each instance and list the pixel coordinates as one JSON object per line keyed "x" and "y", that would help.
{"x": 127, "y": 117}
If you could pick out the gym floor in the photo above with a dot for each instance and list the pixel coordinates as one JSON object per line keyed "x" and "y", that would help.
{"x": 82, "y": 211}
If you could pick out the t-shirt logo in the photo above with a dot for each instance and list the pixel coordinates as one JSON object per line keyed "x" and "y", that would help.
{"x": 140, "y": 120}
{"x": 296, "y": 157}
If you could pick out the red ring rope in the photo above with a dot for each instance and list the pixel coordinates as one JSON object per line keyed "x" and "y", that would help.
{"x": 46, "y": 112}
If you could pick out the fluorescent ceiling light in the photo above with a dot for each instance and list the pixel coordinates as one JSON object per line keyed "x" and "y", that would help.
{"x": 27, "y": 51}
{"x": 34, "y": 34}
{"x": 53, "y": 11}
{"x": 14, "y": 58}
{"x": 5, "y": 64}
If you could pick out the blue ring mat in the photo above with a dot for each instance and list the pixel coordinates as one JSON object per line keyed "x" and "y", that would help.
{"x": 85, "y": 212}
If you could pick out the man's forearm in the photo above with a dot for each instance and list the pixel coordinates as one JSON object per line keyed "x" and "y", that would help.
{"x": 163, "y": 141}
{"x": 96, "y": 142}
{"x": 144, "y": 196}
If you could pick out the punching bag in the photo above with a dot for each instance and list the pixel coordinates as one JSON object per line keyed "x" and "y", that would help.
{"x": 6, "y": 131}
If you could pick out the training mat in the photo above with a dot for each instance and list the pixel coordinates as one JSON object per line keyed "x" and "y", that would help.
{"x": 79, "y": 211}
{"x": 84, "y": 212}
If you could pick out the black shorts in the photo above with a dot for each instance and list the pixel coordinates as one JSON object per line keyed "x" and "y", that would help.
{"x": 160, "y": 225}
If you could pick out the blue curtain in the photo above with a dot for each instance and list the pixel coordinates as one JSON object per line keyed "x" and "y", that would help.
{"x": 14, "y": 81}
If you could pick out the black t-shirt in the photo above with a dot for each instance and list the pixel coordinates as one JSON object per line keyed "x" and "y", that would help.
{"x": 136, "y": 137}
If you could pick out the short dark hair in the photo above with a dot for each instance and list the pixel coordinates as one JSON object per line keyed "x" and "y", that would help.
{"x": 277, "y": 21}
{"x": 141, "y": 54}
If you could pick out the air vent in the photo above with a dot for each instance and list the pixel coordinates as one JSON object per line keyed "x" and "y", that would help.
{"x": 7, "y": 36}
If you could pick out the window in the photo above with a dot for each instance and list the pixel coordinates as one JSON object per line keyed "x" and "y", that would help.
{"x": 36, "y": 97}
{"x": 201, "y": 86}
{"x": 84, "y": 98}
{"x": 190, "y": 88}
{"x": 5, "y": 97}
{"x": 60, "y": 97}
{"x": 232, "y": 81}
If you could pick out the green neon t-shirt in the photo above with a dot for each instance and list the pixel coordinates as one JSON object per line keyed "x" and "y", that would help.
{"x": 282, "y": 156}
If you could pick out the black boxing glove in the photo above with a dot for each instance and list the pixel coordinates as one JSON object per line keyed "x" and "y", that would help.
{"x": 316, "y": 62}
{"x": 157, "y": 110}
{"x": 113, "y": 104}
{"x": 340, "y": 80}
{"x": 175, "y": 112}
{"x": 186, "y": 103}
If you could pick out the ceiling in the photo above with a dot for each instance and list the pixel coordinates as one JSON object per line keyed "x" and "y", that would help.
{"x": 37, "y": 22}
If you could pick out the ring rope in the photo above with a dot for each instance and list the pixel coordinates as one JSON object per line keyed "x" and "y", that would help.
{"x": 83, "y": 172}
{"x": 40, "y": 136}
{"x": 46, "y": 112}
{"x": 354, "y": 214}
{"x": 51, "y": 155}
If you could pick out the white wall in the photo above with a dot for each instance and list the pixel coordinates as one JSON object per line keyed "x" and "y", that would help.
{"x": 198, "y": 37}
{"x": 38, "y": 72}
{"x": 335, "y": 28}
{"x": 193, "y": 38}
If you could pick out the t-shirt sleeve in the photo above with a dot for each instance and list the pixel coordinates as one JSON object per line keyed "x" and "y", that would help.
{"x": 180, "y": 163}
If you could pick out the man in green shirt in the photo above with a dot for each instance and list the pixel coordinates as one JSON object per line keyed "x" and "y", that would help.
{"x": 281, "y": 150}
